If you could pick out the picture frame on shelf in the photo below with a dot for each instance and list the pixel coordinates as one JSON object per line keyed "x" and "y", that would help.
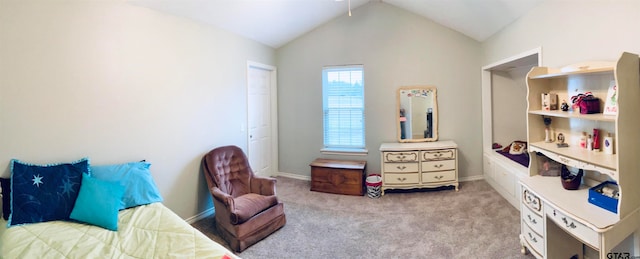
{"x": 611, "y": 102}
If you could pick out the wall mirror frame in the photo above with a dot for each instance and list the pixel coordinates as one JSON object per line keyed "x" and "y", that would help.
{"x": 417, "y": 114}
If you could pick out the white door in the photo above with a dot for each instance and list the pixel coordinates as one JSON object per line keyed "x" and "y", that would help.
{"x": 261, "y": 118}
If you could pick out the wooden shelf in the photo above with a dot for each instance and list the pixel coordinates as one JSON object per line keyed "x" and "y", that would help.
{"x": 598, "y": 159}
{"x": 554, "y": 74}
{"x": 562, "y": 114}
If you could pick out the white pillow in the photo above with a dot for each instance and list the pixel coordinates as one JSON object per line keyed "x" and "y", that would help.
{"x": 517, "y": 148}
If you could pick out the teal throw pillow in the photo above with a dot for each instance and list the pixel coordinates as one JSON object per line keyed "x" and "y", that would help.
{"x": 98, "y": 203}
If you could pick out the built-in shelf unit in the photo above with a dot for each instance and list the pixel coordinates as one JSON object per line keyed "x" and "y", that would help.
{"x": 560, "y": 223}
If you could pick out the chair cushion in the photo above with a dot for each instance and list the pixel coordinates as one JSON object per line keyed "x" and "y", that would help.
{"x": 250, "y": 204}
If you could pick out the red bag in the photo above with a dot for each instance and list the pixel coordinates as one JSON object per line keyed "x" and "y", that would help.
{"x": 589, "y": 105}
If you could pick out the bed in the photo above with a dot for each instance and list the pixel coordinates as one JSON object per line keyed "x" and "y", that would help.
{"x": 147, "y": 231}
{"x": 74, "y": 210}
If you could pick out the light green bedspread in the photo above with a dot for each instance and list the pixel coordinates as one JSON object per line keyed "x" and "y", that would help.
{"x": 149, "y": 231}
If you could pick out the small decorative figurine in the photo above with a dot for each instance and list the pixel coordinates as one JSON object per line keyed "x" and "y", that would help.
{"x": 561, "y": 141}
{"x": 564, "y": 107}
{"x": 547, "y": 131}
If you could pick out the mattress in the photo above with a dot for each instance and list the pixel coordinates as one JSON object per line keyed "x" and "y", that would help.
{"x": 148, "y": 231}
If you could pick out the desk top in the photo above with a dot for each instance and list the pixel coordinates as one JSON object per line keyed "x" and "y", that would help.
{"x": 574, "y": 203}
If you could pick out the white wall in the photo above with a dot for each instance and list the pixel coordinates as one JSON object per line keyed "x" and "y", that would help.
{"x": 570, "y": 31}
{"x": 509, "y": 105}
{"x": 118, "y": 83}
{"x": 397, "y": 48}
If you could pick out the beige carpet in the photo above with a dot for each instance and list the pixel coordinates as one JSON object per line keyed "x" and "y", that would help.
{"x": 475, "y": 222}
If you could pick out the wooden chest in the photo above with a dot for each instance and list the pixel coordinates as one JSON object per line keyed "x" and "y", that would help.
{"x": 338, "y": 176}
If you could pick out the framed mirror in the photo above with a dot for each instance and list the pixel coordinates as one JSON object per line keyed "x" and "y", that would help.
{"x": 417, "y": 114}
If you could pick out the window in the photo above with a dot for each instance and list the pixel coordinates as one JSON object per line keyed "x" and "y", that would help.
{"x": 343, "y": 107}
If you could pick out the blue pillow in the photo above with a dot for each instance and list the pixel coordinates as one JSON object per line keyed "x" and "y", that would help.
{"x": 139, "y": 187}
{"x": 42, "y": 193}
{"x": 98, "y": 203}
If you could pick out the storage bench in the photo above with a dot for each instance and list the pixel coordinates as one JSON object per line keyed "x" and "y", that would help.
{"x": 338, "y": 176}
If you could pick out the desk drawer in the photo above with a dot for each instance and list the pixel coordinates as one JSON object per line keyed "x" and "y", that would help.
{"x": 400, "y": 167}
{"x": 532, "y": 201}
{"x": 401, "y": 178}
{"x": 532, "y": 219}
{"x": 534, "y": 240}
{"x": 575, "y": 228}
{"x": 441, "y": 165}
{"x": 435, "y": 177}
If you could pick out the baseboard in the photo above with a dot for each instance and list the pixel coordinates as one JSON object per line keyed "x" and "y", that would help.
{"x": 295, "y": 176}
{"x": 201, "y": 215}
{"x": 471, "y": 178}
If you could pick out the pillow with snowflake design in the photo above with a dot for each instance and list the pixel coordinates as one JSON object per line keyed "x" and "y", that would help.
{"x": 41, "y": 193}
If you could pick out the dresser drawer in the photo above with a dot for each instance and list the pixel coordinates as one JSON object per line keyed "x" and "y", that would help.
{"x": 575, "y": 228}
{"x": 441, "y": 176}
{"x": 535, "y": 241}
{"x": 401, "y": 178}
{"x": 411, "y": 156}
{"x": 442, "y": 165}
{"x": 532, "y": 201}
{"x": 400, "y": 167}
{"x": 533, "y": 220}
{"x": 438, "y": 154}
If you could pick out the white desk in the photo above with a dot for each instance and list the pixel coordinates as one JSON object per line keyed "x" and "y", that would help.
{"x": 557, "y": 222}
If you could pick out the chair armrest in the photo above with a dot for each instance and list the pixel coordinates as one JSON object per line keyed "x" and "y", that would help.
{"x": 226, "y": 199}
{"x": 263, "y": 185}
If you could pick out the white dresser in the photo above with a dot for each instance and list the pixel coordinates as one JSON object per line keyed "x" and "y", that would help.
{"x": 419, "y": 165}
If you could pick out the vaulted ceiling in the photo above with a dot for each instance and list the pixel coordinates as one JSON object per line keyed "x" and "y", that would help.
{"x": 276, "y": 22}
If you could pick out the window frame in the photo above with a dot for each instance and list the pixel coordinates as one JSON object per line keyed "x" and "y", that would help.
{"x": 348, "y": 149}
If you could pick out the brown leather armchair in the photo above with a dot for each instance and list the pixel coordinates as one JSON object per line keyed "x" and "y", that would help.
{"x": 246, "y": 207}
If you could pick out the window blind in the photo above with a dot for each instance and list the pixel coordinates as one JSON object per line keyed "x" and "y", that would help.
{"x": 343, "y": 107}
